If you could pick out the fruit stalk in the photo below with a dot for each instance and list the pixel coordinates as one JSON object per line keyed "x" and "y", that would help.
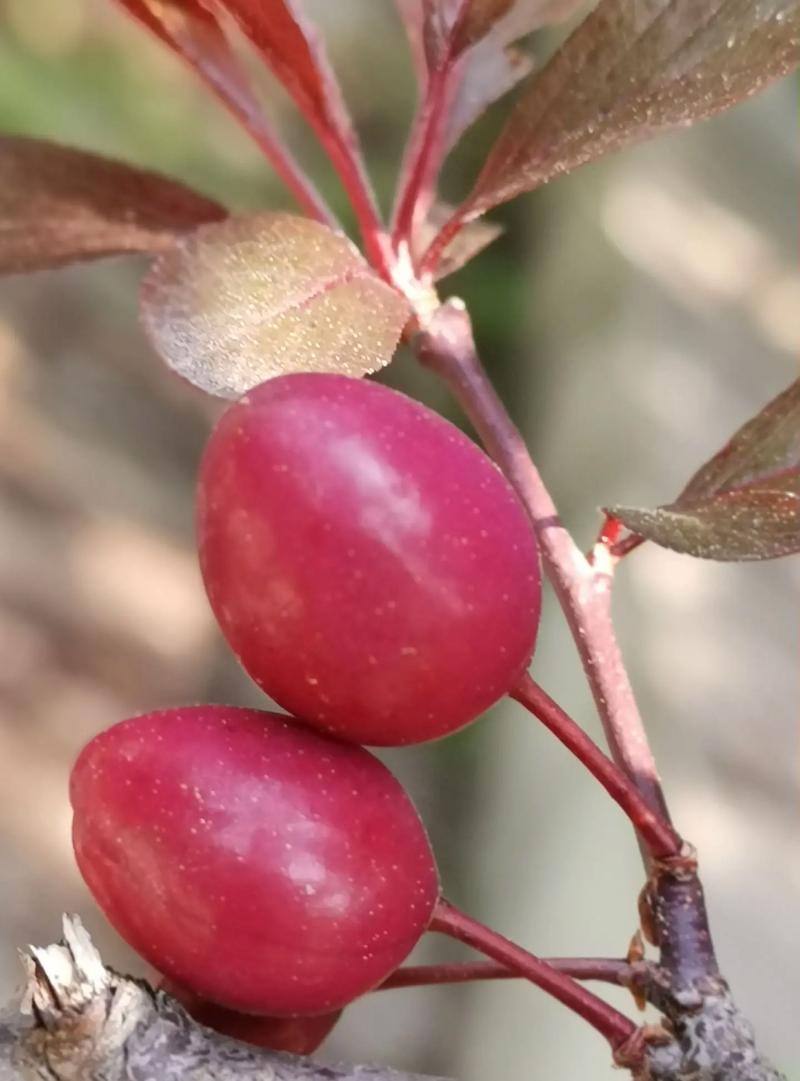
{"x": 618, "y": 1029}
{"x": 657, "y": 835}
{"x": 603, "y": 969}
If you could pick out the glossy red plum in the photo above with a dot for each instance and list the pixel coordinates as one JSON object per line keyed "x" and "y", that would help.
{"x": 256, "y": 862}
{"x": 369, "y": 565}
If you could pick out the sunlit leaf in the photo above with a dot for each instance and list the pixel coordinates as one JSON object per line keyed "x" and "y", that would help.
{"x": 631, "y": 70}
{"x": 193, "y": 32}
{"x": 763, "y": 452}
{"x": 743, "y": 504}
{"x": 738, "y": 526}
{"x": 295, "y": 54}
{"x": 236, "y": 303}
{"x": 59, "y": 205}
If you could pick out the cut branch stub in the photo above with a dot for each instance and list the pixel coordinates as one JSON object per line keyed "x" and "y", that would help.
{"x": 239, "y": 302}
{"x": 744, "y": 504}
{"x": 629, "y": 71}
{"x": 59, "y": 205}
{"x": 91, "y": 1024}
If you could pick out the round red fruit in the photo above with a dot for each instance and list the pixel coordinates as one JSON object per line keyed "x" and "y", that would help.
{"x": 255, "y": 862}
{"x": 371, "y": 568}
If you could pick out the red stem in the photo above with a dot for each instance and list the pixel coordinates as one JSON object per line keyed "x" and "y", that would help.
{"x": 626, "y": 545}
{"x": 658, "y": 836}
{"x": 610, "y": 531}
{"x": 422, "y": 145}
{"x": 355, "y": 182}
{"x": 611, "y": 540}
{"x": 437, "y": 247}
{"x": 306, "y": 195}
{"x": 615, "y": 1026}
{"x": 606, "y": 970}
{"x": 226, "y": 81}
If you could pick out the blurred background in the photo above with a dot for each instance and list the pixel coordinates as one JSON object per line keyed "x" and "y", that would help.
{"x": 633, "y": 315}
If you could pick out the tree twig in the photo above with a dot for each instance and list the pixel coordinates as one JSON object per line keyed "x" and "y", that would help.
{"x": 90, "y": 1024}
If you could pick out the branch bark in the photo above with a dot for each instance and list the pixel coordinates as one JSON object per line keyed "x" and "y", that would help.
{"x": 90, "y": 1024}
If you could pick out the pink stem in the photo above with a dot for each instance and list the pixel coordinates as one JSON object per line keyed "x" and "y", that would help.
{"x": 618, "y": 1029}
{"x": 658, "y": 836}
{"x": 436, "y": 249}
{"x": 421, "y": 150}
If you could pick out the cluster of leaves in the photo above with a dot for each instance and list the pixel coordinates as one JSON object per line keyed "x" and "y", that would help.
{"x": 232, "y": 300}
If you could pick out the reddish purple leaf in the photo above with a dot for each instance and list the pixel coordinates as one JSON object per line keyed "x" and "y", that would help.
{"x": 492, "y": 66}
{"x": 630, "y": 71}
{"x": 59, "y": 205}
{"x": 510, "y": 19}
{"x": 295, "y": 54}
{"x": 249, "y": 298}
{"x": 192, "y": 31}
{"x": 738, "y": 527}
{"x": 764, "y": 452}
{"x": 744, "y": 504}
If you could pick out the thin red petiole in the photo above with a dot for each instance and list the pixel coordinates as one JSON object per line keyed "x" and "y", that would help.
{"x": 437, "y": 247}
{"x": 609, "y": 532}
{"x": 421, "y": 154}
{"x": 658, "y": 836}
{"x": 611, "y": 540}
{"x": 603, "y": 969}
{"x": 362, "y": 199}
{"x": 626, "y": 545}
{"x": 618, "y": 1029}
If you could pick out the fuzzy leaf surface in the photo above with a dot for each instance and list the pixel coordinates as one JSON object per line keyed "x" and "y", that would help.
{"x": 253, "y": 297}
{"x": 630, "y": 71}
{"x": 743, "y": 504}
{"x": 59, "y": 205}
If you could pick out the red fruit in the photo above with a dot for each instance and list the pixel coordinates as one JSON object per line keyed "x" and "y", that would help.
{"x": 256, "y": 862}
{"x": 371, "y": 568}
{"x": 297, "y": 1035}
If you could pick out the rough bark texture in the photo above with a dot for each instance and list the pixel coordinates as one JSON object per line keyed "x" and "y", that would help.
{"x": 714, "y": 1042}
{"x": 89, "y": 1024}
